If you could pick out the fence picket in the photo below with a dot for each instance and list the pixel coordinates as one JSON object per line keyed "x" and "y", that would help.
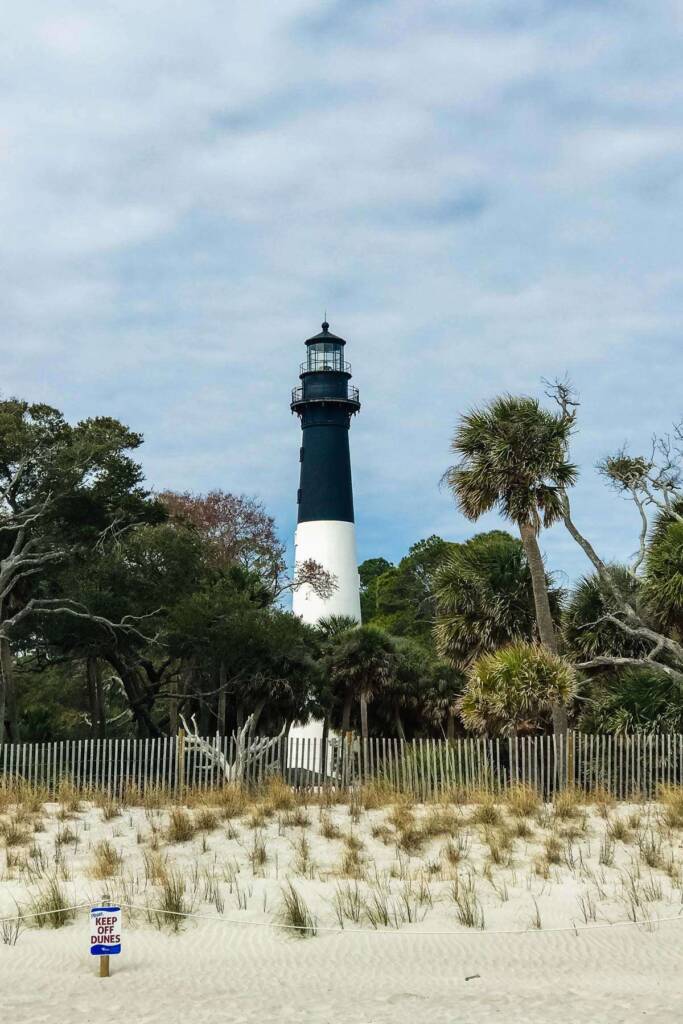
{"x": 624, "y": 764}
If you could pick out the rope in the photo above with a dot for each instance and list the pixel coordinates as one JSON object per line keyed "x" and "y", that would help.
{"x": 340, "y": 931}
{"x": 44, "y": 913}
{"x": 395, "y": 931}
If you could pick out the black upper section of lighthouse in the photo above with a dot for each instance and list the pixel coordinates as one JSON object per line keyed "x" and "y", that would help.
{"x": 325, "y": 403}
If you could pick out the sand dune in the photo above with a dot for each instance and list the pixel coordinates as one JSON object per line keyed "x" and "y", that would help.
{"x": 537, "y": 959}
{"x": 217, "y": 972}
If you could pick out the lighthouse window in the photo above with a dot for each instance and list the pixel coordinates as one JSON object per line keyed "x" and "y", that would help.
{"x": 324, "y": 355}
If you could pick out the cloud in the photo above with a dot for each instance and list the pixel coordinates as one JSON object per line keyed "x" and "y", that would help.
{"x": 481, "y": 194}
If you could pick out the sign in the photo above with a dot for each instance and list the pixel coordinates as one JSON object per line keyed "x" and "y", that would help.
{"x": 105, "y": 931}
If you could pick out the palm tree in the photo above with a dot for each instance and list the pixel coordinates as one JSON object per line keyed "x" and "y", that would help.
{"x": 513, "y": 458}
{"x": 332, "y": 626}
{"x": 585, "y": 632}
{"x": 516, "y": 689}
{"x": 440, "y": 695}
{"x": 406, "y": 681}
{"x": 484, "y": 597}
{"x": 637, "y": 700}
{"x": 361, "y": 663}
{"x": 664, "y": 571}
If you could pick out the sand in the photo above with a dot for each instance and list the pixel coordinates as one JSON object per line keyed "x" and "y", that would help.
{"x": 239, "y": 966}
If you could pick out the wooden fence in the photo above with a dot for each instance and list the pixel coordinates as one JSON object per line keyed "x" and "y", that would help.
{"x": 624, "y": 766}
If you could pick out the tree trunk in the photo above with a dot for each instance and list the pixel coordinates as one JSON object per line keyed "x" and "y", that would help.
{"x": 95, "y": 698}
{"x": 544, "y": 619}
{"x": 323, "y": 747}
{"x": 3, "y": 697}
{"x": 177, "y": 703}
{"x": 9, "y": 725}
{"x": 346, "y": 712}
{"x": 222, "y": 697}
{"x": 450, "y": 727}
{"x": 258, "y": 709}
{"x": 139, "y": 695}
{"x": 363, "y": 716}
{"x": 398, "y": 722}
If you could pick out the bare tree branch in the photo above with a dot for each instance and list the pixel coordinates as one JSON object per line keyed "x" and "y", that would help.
{"x": 64, "y": 606}
{"x": 608, "y": 661}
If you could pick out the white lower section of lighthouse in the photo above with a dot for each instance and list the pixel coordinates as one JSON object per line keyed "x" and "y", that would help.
{"x": 332, "y": 544}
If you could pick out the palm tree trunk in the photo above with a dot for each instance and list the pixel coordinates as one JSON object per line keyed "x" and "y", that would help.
{"x": 323, "y": 748}
{"x": 398, "y": 721}
{"x": 346, "y": 712}
{"x": 363, "y": 716}
{"x": 544, "y": 619}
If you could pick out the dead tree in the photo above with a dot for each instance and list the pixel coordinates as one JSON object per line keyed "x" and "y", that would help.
{"x": 247, "y": 749}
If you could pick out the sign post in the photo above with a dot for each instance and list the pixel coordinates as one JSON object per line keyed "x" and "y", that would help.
{"x": 105, "y": 934}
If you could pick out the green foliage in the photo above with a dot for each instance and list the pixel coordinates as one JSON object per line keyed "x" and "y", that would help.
{"x": 512, "y": 690}
{"x": 360, "y": 663}
{"x": 512, "y": 458}
{"x": 585, "y": 635}
{"x": 369, "y": 571}
{"x": 52, "y": 701}
{"x": 400, "y": 599}
{"x": 484, "y": 597}
{"x": 663, "y": 586}
{"x": 636, "y": 700}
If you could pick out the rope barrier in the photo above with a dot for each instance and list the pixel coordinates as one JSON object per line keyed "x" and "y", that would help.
{"x": 43, "y": 913}
{"x": 341, "y": 931}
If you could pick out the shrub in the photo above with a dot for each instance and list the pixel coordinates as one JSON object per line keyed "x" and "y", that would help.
{"x": 553, "y": 850}
{"x": 500, "y": 845}
{"x": 672, "y": 799}
{"x": 382, "y": 832}
{"x": 296, "y": 818}
{"x": 205, "y": 819}
{"x": 522, "y": 800}
{"x": 469, "y": 911}
{"x": 110, "y": 808}
{"x": 328, "y": 829}
{"x": 258, "y": 855}
{"x": 173, "y": 904}
{"x": 68, "y": 796}
{"x": 106, "y": 860}
{"x": 486, "y": 812}
{"x": 456, "y": 849}
{"x": 49, "y": 907}
{"x": 65, "y": 836}
{"x": 375, "y": 795}
{"x": 566, "y": 803}
{"x": 295, "y": 915}
{"x": 348, "y": 903}
{"x": 12, "y": 834}
{"x": 618, "y": 829}
{"x": 278, "y": 795}
{"x": 440, "y": 821}
{"x": 514, "y": 687}
{"x": 181, "y": 827}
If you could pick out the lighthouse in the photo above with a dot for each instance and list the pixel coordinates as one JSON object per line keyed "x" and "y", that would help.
{"x": 325, "y": 402}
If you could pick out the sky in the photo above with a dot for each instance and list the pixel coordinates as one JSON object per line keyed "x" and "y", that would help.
{"x": 482, "y": 194}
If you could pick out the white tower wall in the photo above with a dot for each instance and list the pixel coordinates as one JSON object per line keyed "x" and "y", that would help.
{"x": 332, "y": 544}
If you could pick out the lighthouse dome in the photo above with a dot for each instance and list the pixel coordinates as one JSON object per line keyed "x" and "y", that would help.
{"x": 325, "y": 335}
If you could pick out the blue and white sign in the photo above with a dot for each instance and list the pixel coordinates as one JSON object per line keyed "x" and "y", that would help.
{"x": 105, "y": 931}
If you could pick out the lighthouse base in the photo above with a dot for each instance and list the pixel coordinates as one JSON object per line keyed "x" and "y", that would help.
{"x": 332, "y": 544}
